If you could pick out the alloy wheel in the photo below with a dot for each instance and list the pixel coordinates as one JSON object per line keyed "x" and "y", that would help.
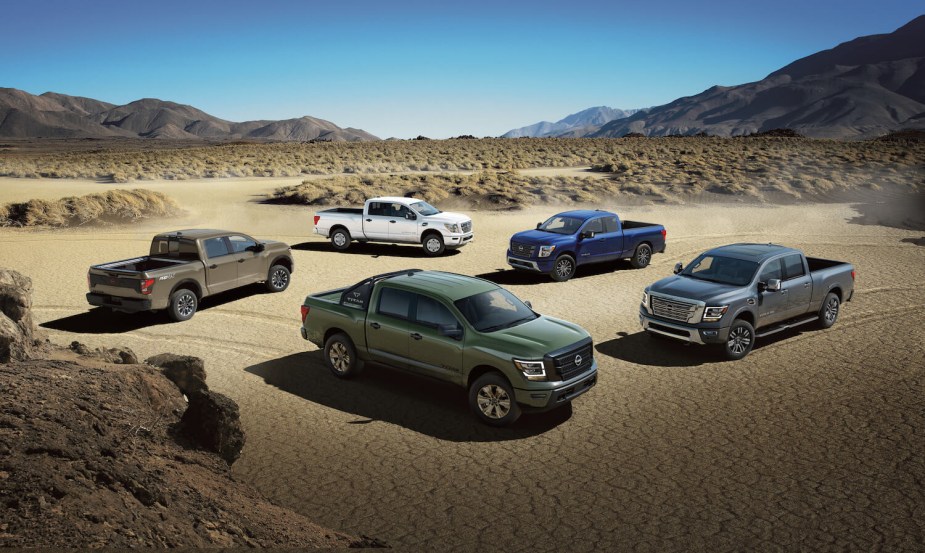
{"x": 739, "y": 340}
{"x": 493, "y": 401}
{"x": 340, "y": 357}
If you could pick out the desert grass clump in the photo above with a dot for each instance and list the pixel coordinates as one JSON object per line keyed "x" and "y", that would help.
{"x": 112, "y": 207}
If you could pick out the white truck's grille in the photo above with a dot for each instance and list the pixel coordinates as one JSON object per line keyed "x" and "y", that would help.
{"x": 672, "y": 309}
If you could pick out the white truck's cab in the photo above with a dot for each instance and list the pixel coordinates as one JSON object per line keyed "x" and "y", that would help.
{"x": 395, "y": 220}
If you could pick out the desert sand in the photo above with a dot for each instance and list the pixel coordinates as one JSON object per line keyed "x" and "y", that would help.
{"x": 813, "y": 441}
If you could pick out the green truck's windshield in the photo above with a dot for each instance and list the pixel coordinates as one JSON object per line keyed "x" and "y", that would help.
{"x": 494, "y": 310}
{"x": 724, "y": 270}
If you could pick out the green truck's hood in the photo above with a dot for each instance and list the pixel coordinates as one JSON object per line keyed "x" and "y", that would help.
{"x": 537, "y": 338}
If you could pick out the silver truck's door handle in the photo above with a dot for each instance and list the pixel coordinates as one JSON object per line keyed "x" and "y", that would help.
{"x": 391, "y": 221}
{"x": 369, "y": 220}
{"x": 805, "y": 285}
{"x": 423, "y": 224}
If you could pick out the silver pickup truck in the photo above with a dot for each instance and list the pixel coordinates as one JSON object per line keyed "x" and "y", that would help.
{"x": 185, "y": 266}
{"x": 395, "y": 220}
{"x": 732, "y": 295}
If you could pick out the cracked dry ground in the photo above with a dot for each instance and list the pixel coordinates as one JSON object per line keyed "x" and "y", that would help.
{"x": 812, "y": 442}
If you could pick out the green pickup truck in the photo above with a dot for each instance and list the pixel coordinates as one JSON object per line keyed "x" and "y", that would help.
{"x": 461, "y": 329}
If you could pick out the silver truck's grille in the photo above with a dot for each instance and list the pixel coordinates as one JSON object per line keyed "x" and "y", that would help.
{"x": 574, "y": 362}
{"x": 467, "y": 226}
{"x": 522, "y": 250}
{"x": 671, "y": 309}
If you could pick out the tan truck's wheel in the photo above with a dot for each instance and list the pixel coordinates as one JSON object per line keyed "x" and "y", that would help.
{"x": 491, "y": 398}
{"x": 277, "y": 278}
{"x": 341, "y": 356}
{"x": 183, "y": 305}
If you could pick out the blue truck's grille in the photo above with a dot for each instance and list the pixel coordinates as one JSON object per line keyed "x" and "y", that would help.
{"x": 522, "y": 250}
{"x": 670, "y": 309}
{"x": 467, "y": 226}
{"x": 574, "y": 362}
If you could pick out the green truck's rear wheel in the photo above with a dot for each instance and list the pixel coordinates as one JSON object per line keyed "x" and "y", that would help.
{"x": 341, "y": 356}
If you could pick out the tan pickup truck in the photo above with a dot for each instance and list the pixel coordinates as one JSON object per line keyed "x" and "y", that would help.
{"x": 185, "y": 266}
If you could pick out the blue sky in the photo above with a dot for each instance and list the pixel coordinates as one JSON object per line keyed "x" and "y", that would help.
{"x": 401, "y": 69}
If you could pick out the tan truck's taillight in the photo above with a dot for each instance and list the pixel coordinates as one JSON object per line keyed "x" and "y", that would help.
{"x": 304, "y": 312}
{"x": 147, "y": 286}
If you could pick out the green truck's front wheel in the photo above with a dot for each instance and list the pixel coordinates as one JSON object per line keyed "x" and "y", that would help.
{"x": 491, "y": 398}
{"x": 341, "y": 356}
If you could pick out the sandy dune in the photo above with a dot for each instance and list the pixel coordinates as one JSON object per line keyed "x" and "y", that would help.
{"x": 814, "y": 441}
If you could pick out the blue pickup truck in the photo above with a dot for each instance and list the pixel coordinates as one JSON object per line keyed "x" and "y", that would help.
{"x": 571, "y": 239}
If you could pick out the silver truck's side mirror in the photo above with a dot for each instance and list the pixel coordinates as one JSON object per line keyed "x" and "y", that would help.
{"x": 410, "y": 216}
{"x": 773, "y": 285}
{"x": 678, "y": 267}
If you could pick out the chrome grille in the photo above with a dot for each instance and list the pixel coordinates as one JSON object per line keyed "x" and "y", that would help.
{"x": 566, "y": 364}
{"x": 467, "y": 226}
{"x": 671, "y": 309}
{"x": 523, "y": 250}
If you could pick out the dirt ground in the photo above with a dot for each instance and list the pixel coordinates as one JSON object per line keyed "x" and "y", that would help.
{"x": 812, "y": 442}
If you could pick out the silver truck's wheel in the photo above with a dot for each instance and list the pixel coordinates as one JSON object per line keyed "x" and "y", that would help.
{"x": 433, "y": 244}
{"x": 563, "y": 269}
{"x": 341, "y": 356}
{"x": 492, "y": 399}
{"x": 828, "y": 314}
{"x": 183, "y": 304}
{"x": 277, "y": 278}
{"x": 340, "y": 239}
{"x": 642, "y": 256}
{"x": 741, "y": 340}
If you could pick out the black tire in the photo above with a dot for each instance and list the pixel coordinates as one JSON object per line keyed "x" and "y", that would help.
{"x": 340, "y": 239}
{"x": 277, "y": 278}
{"x": 341, "y": 357}
{"x": 491, "y": 399}
{"x": 642, "y": 256}
{"x": 433, "y": 245}
{"x": 741, "y": 340}
{"x": 183, "y": 305}
{"x": 828, "y": 313}
{"x": 563, "y": 269}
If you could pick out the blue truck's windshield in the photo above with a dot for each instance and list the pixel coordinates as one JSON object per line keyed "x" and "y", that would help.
{"x": 724, "y": 270}
{"x": 561, "y": 225}
{"x": 494, "y": 310}
{"x": 425, "y": 208}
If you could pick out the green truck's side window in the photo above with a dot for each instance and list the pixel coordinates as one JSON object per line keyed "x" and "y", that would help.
{"x": 431, "y": 312}
{"x": 395, "y": 303}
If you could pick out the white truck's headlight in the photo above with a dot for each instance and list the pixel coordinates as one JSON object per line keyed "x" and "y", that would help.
{"x": 533, "y": 370}
{"x": 714, "y": 313}
{"x": 452, "y": 227}
{"x": 546, "y": 251}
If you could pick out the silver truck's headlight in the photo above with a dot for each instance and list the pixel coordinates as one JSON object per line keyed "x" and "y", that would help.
{"x": 546, "y": 251}
{"x": 714, "y": 313}
{"x": 533, "y": 370}
{"x": 452, "y": 227}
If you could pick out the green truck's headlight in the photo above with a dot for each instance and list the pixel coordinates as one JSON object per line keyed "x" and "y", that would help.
{"x": 533, "y": 370}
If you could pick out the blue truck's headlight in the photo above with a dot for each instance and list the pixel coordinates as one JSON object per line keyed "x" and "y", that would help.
{"x": 452, "y": 227}
{"x": 714, "y": 313}
{"x": 546, "y": 251}
{"x": 645, "y": 299}
{"x": 533, "y": 370}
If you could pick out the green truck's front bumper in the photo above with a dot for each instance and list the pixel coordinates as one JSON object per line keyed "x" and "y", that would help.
{"x": 549, "y": 395}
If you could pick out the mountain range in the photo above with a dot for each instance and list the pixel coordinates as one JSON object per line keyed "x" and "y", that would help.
{"x": 862, "y": 88}
{"x": 576, "y": 124}
{"x": 52, "y": 115}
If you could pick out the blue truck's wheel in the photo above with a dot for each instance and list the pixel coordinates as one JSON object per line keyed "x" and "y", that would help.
{"x": 828, "y": 314}
{"x": 642, "y": 256}
{"x": 492, "y": 400}
{"x": 741, "y": 340}
{"x": 563, "y": 269}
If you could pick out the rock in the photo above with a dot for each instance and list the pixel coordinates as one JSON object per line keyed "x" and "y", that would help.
{"x": 212, "y": 421}
{"x": 187, "y": 372}
{"x": 18, "y": 335}
{"x": 77, "y": 347}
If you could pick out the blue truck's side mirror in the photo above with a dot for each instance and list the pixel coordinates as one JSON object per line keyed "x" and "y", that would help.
{"x": 678, "y": 267}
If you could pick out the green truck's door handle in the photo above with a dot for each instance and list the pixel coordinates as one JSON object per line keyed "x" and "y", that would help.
{"x": 416, "y": 336}
{"x": 375, "y": 325}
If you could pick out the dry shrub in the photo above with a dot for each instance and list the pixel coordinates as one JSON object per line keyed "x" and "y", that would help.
{"x": 114, "y": 206}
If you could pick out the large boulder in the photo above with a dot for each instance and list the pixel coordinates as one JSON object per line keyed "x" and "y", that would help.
{"x": 212, "y": 421}
{"x": 187, "y": 372}
{"x": 18, "y": 335}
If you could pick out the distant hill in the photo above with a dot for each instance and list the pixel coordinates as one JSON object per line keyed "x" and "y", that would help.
{"x": 579, "y": 124}
{"x": 862, "y": 88}
{"x": 53, "y": 115}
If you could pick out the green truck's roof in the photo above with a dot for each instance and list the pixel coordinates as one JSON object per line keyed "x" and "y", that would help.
{"x": 447, "y": 285}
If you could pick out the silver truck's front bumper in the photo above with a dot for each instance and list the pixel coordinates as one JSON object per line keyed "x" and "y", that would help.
{"x": 457, "y": 240}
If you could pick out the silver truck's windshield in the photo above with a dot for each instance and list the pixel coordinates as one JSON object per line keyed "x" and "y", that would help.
{"x": 724, "y": 270}
{"x": 425, "y": 208}
{"x": 561, "y": 225}
{"x": 494, "y": 310}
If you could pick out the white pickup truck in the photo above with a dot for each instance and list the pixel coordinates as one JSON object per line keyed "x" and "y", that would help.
{"x": 395, "y": 220}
